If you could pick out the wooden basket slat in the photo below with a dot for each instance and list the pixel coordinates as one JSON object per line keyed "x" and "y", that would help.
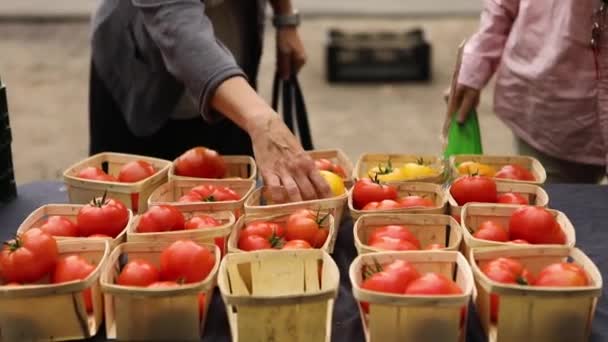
{"x": 69, "y": 211}
{"x": 535, "y": 195}
{"x": 414, "y": 318}
{"x": 428, "y": 228}
{"x": 269, "y": 305}
{"x": 338, "y": 157}
{"x": 434, "y": 191}
{"x": 237, "y": 167}
{"x": 29, "y": 312}
{"x": 139, "y": 313}
{"x": 243, "y": 221}
{"x": 497, "y": 162}
{"x": 475, "y": 213}
{"x": 537, "y": 313}
{"x": 259, "y": 204}
{"x": 370, "y": 160}
{"x": 133, "y": 195}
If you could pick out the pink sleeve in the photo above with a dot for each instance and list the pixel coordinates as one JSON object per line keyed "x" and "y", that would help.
{"x": 483, "y": 51}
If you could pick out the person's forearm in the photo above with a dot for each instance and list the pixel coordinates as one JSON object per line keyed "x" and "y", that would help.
{"x": 281, "y": 6}
{"x": 239, "y": 102}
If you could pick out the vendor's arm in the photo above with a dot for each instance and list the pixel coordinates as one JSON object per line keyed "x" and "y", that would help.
{"x": 290, "y": 53}
{"x": 483, "y": 52}
{"x": 193, "y": 55}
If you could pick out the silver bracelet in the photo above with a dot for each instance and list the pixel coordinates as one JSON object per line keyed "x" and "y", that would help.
{"x": 286, "y": 20}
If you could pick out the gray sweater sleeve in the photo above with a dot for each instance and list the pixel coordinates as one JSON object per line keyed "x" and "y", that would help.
{"x": 189, "y": 48}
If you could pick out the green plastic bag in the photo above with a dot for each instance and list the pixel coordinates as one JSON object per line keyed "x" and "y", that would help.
{"x": 464, "y": 138}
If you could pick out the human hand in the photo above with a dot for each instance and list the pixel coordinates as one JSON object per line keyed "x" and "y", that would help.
{"x": 466, "y": 99}
{"x": 288, "y": 172}
{"x": 291, "y": 55}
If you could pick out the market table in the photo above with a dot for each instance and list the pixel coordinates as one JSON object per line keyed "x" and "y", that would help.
{"x": 585, "y": 205}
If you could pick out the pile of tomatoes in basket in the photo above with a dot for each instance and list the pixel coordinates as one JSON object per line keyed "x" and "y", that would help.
{"x": 370, "y": 194}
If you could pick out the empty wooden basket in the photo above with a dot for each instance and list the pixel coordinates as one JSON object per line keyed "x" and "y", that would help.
{"x": 397, "y": 318}
{"x": 339, "y": 158}
{"x": 428, "y": 190}
{"x": 328, "y": 246}
{"x": 259, "y": 204}
{"x": 238, "y": 167}
{"x": 370, "y": 160}
{"x": 475, "y": 213}
{"x": 56, "y": 312}
{"x": 428, "y": 229}
{"x": 157, "y": 314}
{"x": 497, "y": 162}
{"x": 133, "y": 195}
{"x": 69, "y": 211}
{"x": 542, "y": 314}
{"x": 170, "y": 193}
{"x": 279, "y": 295}
{"x": 533, "y": 193}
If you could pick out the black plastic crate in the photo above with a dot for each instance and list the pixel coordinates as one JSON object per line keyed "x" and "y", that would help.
{"x": 8, "y": 188}
{"x": 378, "y": 57}
{"x": 6, "y": 158}
{"x": 3, "y": 101}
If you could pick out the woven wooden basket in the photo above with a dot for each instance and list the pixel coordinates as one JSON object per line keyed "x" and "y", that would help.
{"x": 238, "y": 167}
{"x": 370, "y": 160}
{"x": 497, "y": 162}
{"x": 338, "y": 157}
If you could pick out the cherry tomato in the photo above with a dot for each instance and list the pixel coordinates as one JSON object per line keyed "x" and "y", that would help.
{"x": 161, "y": 218}
{"x": 95, "y": 173}
{"x": 29, "y": 257}
{"x": 296, "y": 244}
{"x": 135, "y": 171}
{"x": 562, "y": 274}
{"x": 392, "y": 244}
{"x": 253, "y": 243}
{"x": 432, "y": 284}
{"x": 327, "y": 165}
{"x": 206, "y": 221}
{"x": 366, "y": 191}
{"x": 394, "y": 231}
{"x": 535, "y": 225}
{"x": 74, "y": 267}
{"x": 186, "y": 260}
{"x": 516, "y": 172}
{"x": 512, "y": 198}
{"x": 413, "y": 201}
{"x": 59, "y": 226}
{"x": 102, "y": 216}
{"x": 492, "y": 231}
{"x": 138, "y": 272}
{"x": 200, "y": 162}
{"x": 467, "y": 189}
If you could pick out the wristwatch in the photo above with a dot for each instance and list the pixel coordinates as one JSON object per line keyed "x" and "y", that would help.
{"x": 286, "y": 20}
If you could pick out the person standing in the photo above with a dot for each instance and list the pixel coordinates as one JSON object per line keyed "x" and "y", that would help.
{"x": 168, "y": 75}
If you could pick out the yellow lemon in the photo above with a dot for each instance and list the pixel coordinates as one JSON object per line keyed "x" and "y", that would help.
{"x": 336, "y": 183}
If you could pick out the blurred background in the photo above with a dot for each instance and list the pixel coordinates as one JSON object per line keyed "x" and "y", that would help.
{"x": 45, "y": 56}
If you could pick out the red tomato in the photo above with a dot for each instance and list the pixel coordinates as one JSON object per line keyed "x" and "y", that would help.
{"x": 223, "y": 194}
{"x": 135, "y": 171}
{"x": 29, "y": 257}
{"x": 186, "y": 260}
{"x": 492, "y": 231}
{"x": 432, "y": 284}
{"x": 394, "y": 231}
{"x": 253, "y": 243}
{"x": 512, "y": 198}
{"x": 520, "y": 241}
{"x": 327, "y": 165}
{"x": 206, "y": 221}
{"x": 383, "y": 205}
{"x": 161, "y": 218}
{"x": 296, "y": 244}
{"x": 95, "y": 173}
{"x": 474, "y": 189}
{"x": 366, "y": 191}
{"x": 190, "y": 197}
{"x": 388, "y": 282}
{"x": 516, "y": 172}
{"x": 405, "y": 271}
{"x": 535, "y": 225}
{"x": 59, "y": 226}
{"x": 74, "y": 267}
{"x": 200, "y": 162}
{"x": 392, "y": 244}
{"x": 320, "y": 238}
{"x": 506, "y": 271}
{"x": 264, "y": 229}
{"x": 203, "y": 190}
{"x": 102, "y": 216}
{"x": 562, "y": 274}
{"x": 435, "y": 246}
{"x": 413, "y": 201}
{"x": 304, "y": 225}
{"x": 138, "y": 272}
